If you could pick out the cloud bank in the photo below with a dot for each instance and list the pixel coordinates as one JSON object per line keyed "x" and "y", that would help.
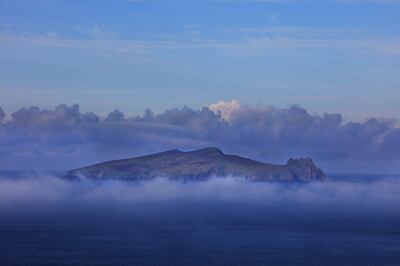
{"x": 64, "y": 138}
{"x": 43, "y": 192}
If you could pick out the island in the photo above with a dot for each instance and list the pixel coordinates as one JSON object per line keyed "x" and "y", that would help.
{"x": 200, "y": 165}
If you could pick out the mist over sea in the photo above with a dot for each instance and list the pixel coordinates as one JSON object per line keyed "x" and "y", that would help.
{"x": 349, "y": 220}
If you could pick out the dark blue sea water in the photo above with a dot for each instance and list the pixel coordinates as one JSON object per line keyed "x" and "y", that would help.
{"x": 346, "y": 223}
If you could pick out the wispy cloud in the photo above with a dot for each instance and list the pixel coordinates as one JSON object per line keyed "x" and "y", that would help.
{"x": 255, "y": 40}
{"x": 382, "y": 2}
{"x": 54, "y": 190}
{"x": 97, "y": 31}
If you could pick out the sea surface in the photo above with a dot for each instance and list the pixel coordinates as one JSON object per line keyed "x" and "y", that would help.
{"x": 353, "y": 220}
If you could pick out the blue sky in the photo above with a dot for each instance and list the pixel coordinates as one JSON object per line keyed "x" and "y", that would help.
{"x": 327, "y": 56}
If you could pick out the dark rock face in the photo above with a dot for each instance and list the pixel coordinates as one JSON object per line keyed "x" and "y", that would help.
{"x": 304, "y": 169}
{"x": 200, "y": 165}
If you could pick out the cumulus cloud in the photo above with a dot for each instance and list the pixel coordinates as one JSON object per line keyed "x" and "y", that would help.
{"x": 114, "y": 116}
{"x": 66, "y": 138}
{"x": 227, "y": 109}
{"x": 2, "y": 114}
{"x": 62, "y": 116}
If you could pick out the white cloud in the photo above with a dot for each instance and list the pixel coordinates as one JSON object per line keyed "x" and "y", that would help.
{"x": 380, "y": 195}
{"x": 100, "y": 32}
{"x": 226, "y": 108}
{"x": 247, "y": 40}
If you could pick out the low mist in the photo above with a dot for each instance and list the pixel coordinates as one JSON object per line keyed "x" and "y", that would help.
{"x": 39, "y": 193}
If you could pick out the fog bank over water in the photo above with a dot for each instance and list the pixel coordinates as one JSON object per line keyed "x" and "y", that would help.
{"x": 223, "y": 221}
{"x": 39, "y": 193}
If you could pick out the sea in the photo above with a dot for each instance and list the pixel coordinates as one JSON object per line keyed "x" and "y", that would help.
{"x": 349, "y": 220}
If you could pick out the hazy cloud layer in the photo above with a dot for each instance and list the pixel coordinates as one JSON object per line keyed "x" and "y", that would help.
{"x": 380, "y": 195}
{"x": 63, "y": 138}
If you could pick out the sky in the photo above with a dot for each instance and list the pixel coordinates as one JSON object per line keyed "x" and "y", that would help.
{"x": 339, "y": 56}
{"x": 93, "y": 80}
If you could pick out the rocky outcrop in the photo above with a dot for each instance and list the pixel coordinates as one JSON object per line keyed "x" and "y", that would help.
{"x": 200, "y": 165}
